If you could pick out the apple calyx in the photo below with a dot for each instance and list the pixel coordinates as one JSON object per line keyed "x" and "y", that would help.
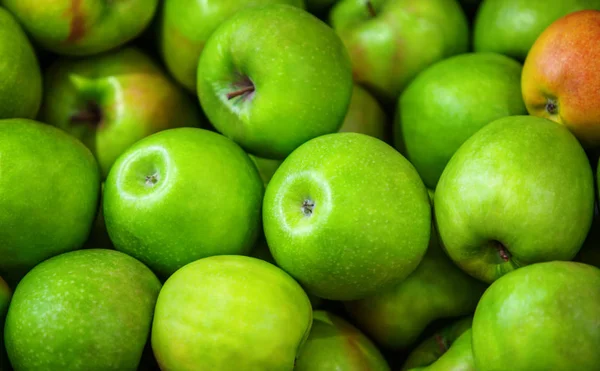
{"x": 308, "y": 206}
{"x": 371, "y": 9}
{"x": 151, "y": 180}
{"x": 552, "y": 106}
{"x": 244, "y": 88}
{"x": 439, "y": 340}
{"x": 502, "y": 251}
{"x": 91, "y": 114}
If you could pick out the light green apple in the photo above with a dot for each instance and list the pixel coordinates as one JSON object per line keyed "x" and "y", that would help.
{"x": 450, "y": 101}
{"x": 113, "y": 100}
{"x": 365, "y": 115}
{"x": 273, "y": 77}
{"x": 5, "y": 295}
{"x": 181, "y": 195}
{"x": 346, "y": 215}
{"x": 82, "y": 27}
{"x": 391, "y": 41}
{"x": 449, "y": 349}
{"x": 82, "y": 310}
{"x": 21, "y": 79}
{"x": 50, "y": 186}
{"x": 511, "y": 27}
{"x": 186, "y": 25}
{"x": 230, "y": 313}
{"x": 334, "y": 344}
{"x": 540, "y": 317}
{"x": 437, "y": 289}
{"x": 519, "y": 191}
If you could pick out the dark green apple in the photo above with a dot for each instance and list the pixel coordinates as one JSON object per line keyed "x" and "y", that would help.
{"x": 334, "y": 344}
{"x": 449, "y": 349}
{"x": 365, "y": 115}
{"x": 273, "y": 77}
{"x": 230, "y": 313}
{"x": 21, "y": 85}
{"x": 437, "y": 289}
{"x": 391, "y": 41}
{"x": 185, "y": 26}
{"x": 82, "y": 27}
{"x": 82, "y": 310}
{"x": 5, "y": 295}
{"x": 519, "y": 191}
{"x": 540, "y": 317}
{"x": 346, "y": 215}
{"x": 113, "y": 100}
{"x": 50, "y": 185}
{"x": 450, "y": 101}
{"x": 181, "y": 195}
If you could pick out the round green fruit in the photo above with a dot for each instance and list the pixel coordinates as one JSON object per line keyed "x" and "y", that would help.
{"x": 83, "y": 310}
{"x": 347, "y": 216}
{"x": 230, "y": 313}
{"x": 365, "y": 115}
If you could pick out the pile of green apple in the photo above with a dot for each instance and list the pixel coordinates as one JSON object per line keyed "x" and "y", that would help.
{"x": 311, "y": 185}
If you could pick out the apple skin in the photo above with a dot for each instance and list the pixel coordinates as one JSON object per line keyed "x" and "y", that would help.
{"x": 5, "y": 295}
{"x": 387, "y": 50}
{"x": 437, "y": 289}
{"x": 186, "y": 25}
{"x": 82, "y": 27}
{"x": 511, "y": 27}
{"x": 298, "y": 68}
{"x": 334, "y": 344}
{"x": 82, "y": 310}
{"x": 21, "y": 87}
{"x": 181, "y": 195}
{"x": 365, "y": 115}
{"x": 212, "y": 313}
{"x": 53, "y": 208}
{"x": 346, "y": 190}
{"x": 518, "y": 192}
{"x": 266, "y": 167}
{"x": 560, "y": 76}
{"x": 111, "y": 101}
{"x": 540, "y": 317}
{"x": 450, "y": 101}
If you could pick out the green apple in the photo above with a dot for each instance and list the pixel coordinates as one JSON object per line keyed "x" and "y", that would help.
{"x": 334, "y": 344}
{"x": 365, "y": 115}
{"x": 266, "y": 167}
{"x": 186, "y": 25}
{"x": 511, "y": 26}
{"x": 230, "y": 312}
{"x": 82, "y": 310}
{"x": 21, "y": 86}
{"x": 346, "y": 215}
{"x": 450, "y": 101}
{"x": 180, "y": 195}
{"x": 5, "y": 295}
{"x": 449, "y": 349}
{"x": 519, "y": 191}
{"x": 391, "y": 41}
{"x": 78, "y": 27}
{"x": 50, "y": 186}
{"x": 540, "y": 317}
{"x": 113, "y": 100}
{"x": 437, "y": 289}
{"x": 273, "y": 77}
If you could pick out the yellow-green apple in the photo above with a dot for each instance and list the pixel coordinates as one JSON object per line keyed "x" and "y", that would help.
{"x": 181, "y": 195}
{"x": 449, "y": 349}
{"x": 186, "y": 25}
{"x": 437, "y": 289}
{"x": 450, "y": 101}
{"x": 5, "y": 295}
{"x": 511, "y": 27}
{"x": 50, "y": 185}
{"x": 21, "y": 86}
{"x": 560, "y": 75}
{"x": 334, "y": 344}
{"x": 346, "y": 215}
{"x": 112, "y": 100}
{"x": 82, "y": 310}
{"x": 82, "y": 27}
{"x": 519, "y": 191}
{"x": 230, "y": 312}
{"x": 391, "y": 41}
{"x": 365, "y": 115}
{"x": 540, "y": 317}
{"x": 273, "y": 77}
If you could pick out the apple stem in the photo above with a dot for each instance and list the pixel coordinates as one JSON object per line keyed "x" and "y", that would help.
{"x": 441, "y": 343}
{"x": 91, "y": 114}
{"x": 502, "y": 251}
{"x": 242, "y": 91}
{"x": 371, "y": 9}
